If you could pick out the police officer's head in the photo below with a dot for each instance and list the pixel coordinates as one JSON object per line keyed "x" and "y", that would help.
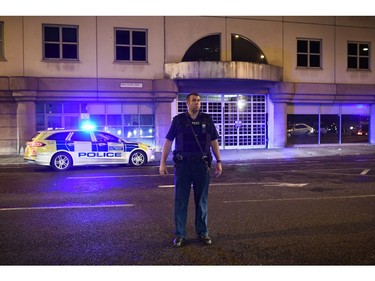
{"x": 192, "y": 95}
{"x": 193, "y": 102}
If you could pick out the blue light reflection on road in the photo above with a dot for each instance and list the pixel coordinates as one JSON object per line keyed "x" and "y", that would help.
{"x": 76, "y": 205}
{"x": 104, "y": 212}
{"x": 88, "y": 185}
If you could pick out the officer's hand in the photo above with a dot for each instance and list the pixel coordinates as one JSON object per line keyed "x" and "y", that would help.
{"x": 219, "y": 169}
{"x": 163, "y": 170}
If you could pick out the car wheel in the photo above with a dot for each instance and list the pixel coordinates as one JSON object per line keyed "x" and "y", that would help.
{"x": 138, "y": 158}
{"x": 61, "y": 162}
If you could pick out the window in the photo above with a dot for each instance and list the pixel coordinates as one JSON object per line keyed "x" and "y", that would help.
{"x": 104, "y": 137}
{"x": 2, "y": 56}
{"x": 355, "y": 128}
{"x": 241, "y": 120}
{"x": 205, "y": 49}
{"x": 58, "y": 136}
{"x": 81, "y": 136}
{"x": 59, "y": 115}
{"x": 130, "y": 45}
{"x": 54, "y": 122}
{"x": 139, "y": 126}
{"x": 60, "y": 42}
{"x": 358, "y": 55}
{"x": 129, "y": 120}
{"x": 302, "y": 128}
{"x": 325, "y": 123}
{"x": 244, "y": 50}
{"x": 308, "y": 53}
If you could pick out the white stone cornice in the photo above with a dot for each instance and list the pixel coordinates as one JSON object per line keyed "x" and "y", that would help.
{"x": 223, "y": 70}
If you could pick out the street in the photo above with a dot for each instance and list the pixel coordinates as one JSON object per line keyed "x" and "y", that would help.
{"x": 312, "y": 211}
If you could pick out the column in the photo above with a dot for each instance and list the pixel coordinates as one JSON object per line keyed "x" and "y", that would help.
{"x": 163, "y": 122}
{"x": 279, "y": 125}
{"x": 165, "y": 92}
{"x": 26, "y": 118}
{"x": 371, "y": 136}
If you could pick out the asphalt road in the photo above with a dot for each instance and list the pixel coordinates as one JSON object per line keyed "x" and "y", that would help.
{"x": 312, "y": 211}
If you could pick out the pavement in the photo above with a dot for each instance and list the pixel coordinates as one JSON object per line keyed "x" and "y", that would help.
{"x": 257, "y": 154}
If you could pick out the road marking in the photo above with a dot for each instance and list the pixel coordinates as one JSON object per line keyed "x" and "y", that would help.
{"x": 277, "y": 184}
{"x": 65, "y": 207}
{"x": 300, "y": 199}
{"x": 327, "y": 172}
{"x": 166, "y": 186}
{"x": 287, "y": 184}
{"x": 108, "y": 177}
{"x": 365, "y": 171}
{"x": 275, "y": 160}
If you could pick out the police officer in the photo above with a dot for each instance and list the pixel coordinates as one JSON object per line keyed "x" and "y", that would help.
{"x": 196, "y": 136}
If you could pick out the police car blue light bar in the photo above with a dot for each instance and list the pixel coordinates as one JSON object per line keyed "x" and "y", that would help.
{"x": 88, "y": 126}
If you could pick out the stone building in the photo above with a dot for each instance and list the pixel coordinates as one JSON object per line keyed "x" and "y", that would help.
{"x": 268, "y": 82}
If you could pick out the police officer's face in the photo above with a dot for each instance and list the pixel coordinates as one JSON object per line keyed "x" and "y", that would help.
{"x": 194, "y": 103}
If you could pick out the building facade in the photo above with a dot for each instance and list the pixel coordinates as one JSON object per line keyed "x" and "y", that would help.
{"x": 268, "y": 82}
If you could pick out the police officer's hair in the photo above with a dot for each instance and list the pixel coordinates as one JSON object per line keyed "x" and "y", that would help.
{"x": 192, "y": 94}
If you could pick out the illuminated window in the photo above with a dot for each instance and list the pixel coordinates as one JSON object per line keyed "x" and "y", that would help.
{"x": 205, "y": 49}
{"x": 241, "y": 120}
{"x": 2, "y": 41}
{"x": 358, "y": 55}
{"x": 130, "y": 45}
{"x": 60, "y": 42}
{"x": 129, "y": 120}
{"x": 309, "y": 53}
{"x": 328, "y": 123}
{"x": 139, "y": 126}
{"x": 244, "y": 50}
{"x": 59, "y": 115}
{"x": 99, "y": 120}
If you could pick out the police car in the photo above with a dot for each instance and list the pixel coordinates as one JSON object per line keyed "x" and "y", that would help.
{"x": 62, "y": 149}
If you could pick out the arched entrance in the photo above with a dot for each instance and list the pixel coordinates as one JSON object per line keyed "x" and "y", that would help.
{"x": 241, "y": 120}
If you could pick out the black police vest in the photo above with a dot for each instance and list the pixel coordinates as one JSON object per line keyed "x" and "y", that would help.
{"x": 185, "y": 140}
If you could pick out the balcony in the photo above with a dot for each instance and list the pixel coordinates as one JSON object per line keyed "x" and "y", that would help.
{"x": 223, "y": 70}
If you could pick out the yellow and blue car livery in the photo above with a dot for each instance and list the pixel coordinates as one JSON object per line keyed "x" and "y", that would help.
{"x": 62, "y": 149}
